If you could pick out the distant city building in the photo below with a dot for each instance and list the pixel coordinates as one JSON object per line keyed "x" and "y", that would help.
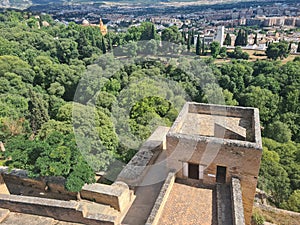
{"x": 220, "y": 35}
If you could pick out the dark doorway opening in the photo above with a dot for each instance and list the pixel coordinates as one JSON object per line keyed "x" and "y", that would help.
{"x": 193, "y": 171}
{"x": 221, "y": 174}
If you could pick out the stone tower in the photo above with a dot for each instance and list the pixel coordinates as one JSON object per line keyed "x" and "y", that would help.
{"x": 211, "y": 144}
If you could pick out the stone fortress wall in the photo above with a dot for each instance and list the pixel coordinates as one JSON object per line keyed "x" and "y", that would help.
{"x": 209, "y": 136}
{"x": 199, "y": 146}
{"x": 47, "y": 197}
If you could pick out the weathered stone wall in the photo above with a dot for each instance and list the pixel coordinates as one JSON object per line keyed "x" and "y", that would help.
{"x": 133, "y": 173}
{"x": 234, "y": 111}
{"x": 237, "y": 202}
{"x": 18, "y": 183}
{"x": 161, "y": 200}
{"x": 240, "y": 161}
{"x": 61, "y": 210}
{"x": 117, "y": 195}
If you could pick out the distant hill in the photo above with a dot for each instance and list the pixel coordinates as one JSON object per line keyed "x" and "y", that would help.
{"x": 22, "y": 4}
{"x": 26, "y": 3}
{"x": 15, "y": 3}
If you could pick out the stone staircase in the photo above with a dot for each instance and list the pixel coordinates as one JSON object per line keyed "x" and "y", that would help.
{"x": 224, "y": 204}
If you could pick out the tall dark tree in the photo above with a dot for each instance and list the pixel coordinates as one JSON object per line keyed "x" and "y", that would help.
{"x": 198, "y": 45}
{"x": 298, "y": 49}
{"x": 227, "y": 40}
{"x": 110, "y": 47}
{"x": 183, "y": 35}
{"x": 239, "y": 38}
{"x": 84, "y": 49}
{"x": 255, "y": 39}
{"x": 245, "y": 38}
{"x": 103, "y": 45}
{"x": 189, "y": 42}
{"x": 38, "y": 109}
{"x": 290, "y": 46}
{"x": 153, "y": 32}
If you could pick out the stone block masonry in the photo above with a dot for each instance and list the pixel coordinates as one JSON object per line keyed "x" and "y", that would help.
{"x": 70, "y": 211}
{"x": 213, "y": 143}
{"x": 237, "y": 202}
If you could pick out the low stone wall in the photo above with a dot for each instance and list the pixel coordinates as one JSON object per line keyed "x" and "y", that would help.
{"x": 161, "y": 200}
{"x": 237, "y": 202}
{"x": 61, "y": 210}
{"x": 117, "y": 195}
{"x": 134, "y": 171}
{"x": 276, "y": 210}
{"x": 18, "y": 183}
{"x": 234, "y": 111}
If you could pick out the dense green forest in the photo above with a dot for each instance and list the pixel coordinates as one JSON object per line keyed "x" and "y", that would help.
{"x": 41, "y": 65}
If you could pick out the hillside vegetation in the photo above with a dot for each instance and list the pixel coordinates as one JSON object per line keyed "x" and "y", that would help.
{"x": 41, "y": 66}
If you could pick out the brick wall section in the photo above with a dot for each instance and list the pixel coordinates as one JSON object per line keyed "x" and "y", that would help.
{"x": 237, "y": 202}
{"x": 61, "y": 210}
{"x": 161, "y": 200}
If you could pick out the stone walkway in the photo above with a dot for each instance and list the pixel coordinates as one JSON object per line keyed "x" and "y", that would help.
{"x": 22, "y": 219}
{"x": 224, "y": 204}
{"x": 188, "y": 205}
{"x": 147, "y": 194}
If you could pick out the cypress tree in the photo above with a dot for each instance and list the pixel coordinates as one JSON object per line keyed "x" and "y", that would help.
{"x": 227, "y": 40}
{"x": 82, "y": 46}
{"x": 255, "y": 39}
{"x": 239, "y": 38}
{"x": 184, "y": 37}
{"x": 152, "y": 35}
{"x": 103, "y": 46}
{"x": 198, "y": 45}
{"x": 245, "y": 36}
{"x": 38, "y": 109}
{"x": 298, "y": 49}
{"x": 110, "y": 47}
{"x": 189, "y": 42}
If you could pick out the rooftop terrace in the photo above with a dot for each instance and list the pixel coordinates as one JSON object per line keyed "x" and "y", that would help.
{"x": 226, "y": 122}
